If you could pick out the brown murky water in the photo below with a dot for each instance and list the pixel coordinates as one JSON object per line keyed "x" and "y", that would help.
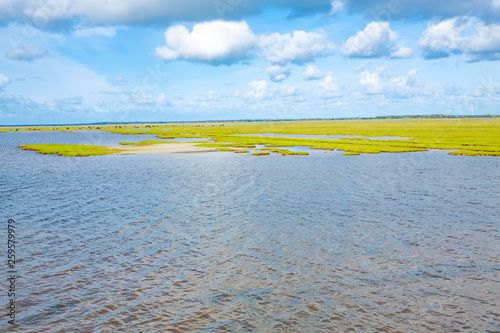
{"x": 224, "y": 242}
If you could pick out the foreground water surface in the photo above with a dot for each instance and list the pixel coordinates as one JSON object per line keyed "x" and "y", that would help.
{"x": 223, "y": 242}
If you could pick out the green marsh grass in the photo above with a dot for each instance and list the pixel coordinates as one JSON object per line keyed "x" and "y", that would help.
{"x": 285, "y": 151}
{"x": 462, "y": 136}
{"x": 71, "y": 150}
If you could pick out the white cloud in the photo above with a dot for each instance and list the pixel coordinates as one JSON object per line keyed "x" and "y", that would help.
{"x": 381, "y": 82}
{"x": 278, "y": 73}
{"x": 495, "y": 4}
{"x": 337, "y": 6}
{"x": 440, "y": 38}
{"x": 401, "y": 52}
{"x": 312, "y": 73}
{"x": 214, "y": 42}
{"x": 109, "y": 32}
{"x": 286, "y": 90}
{"x": 376, "y": 40}
{"x": 329, "y": 89}
{"x": 454, "y": 36}
{"x": 66, "y": 14}
{"x": 485, "y": 44}
{"x": 162, "y": 100}
{"x": 220, "y": 42}
{"x": 4, "y": 80}
{"x": 26, "y": 54}
{"x": 299, "y": 47}
{"x": 259, "y": 89}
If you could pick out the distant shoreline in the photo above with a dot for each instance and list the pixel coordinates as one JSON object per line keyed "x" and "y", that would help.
{"x": 431, "y": 116}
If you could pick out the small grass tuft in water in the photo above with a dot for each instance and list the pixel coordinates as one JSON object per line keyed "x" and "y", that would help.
{"x": 350, "y": 153}
{"x": 474, "y": 153}
{"x": 224, "y": 149}
{"x": 241, "y": 151}
{"x": 285, "y": 151}
{"x": 261, "y": 153}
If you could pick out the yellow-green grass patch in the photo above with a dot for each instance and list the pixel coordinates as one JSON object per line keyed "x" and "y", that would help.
{"x": 476, "y": 136}
{"x": 474, "y": 153}
{"x": 71, "y": 150}
{"x": 285, "y": 151}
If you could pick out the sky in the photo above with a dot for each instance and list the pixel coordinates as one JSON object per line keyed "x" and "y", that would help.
{"x": 87, "y": 61}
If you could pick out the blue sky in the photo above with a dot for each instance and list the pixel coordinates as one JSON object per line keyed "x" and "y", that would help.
{"x": 87, "y": 61}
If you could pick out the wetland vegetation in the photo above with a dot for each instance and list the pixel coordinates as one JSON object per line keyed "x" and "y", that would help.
{"x": 461, "y": 136}
{"x": 71, "y": 150}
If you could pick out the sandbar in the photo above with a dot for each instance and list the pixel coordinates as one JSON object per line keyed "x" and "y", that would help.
{"x": 167, "y": 148}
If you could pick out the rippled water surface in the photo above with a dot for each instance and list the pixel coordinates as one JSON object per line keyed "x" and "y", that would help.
{"x": 222, "y": 242}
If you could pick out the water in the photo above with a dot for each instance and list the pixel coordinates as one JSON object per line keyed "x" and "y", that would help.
{"x": 223, "y": 242}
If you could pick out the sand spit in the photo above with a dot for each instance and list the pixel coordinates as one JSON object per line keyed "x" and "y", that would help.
{"x": 168, "y": 148}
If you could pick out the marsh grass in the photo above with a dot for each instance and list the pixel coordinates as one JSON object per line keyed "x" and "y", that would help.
{"x": 224, "y": 149}
{"x": 475, "y": 153}
{"x": 71, "y": 150}
{"x": 285, "y": 151}
{"x": 261, "y": 153}
{"x": 462, "y": 136}
{"x": 241, "y": 151}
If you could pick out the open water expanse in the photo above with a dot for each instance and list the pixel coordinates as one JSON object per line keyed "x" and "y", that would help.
{"x": 224, "y": 242}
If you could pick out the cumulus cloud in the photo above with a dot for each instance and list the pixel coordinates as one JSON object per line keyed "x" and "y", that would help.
{"x": 4, "y": 80}
{"x": 401, "y": 52}
{"x": 312, "y": 73}
{"x": 286, "y": 90}
{"x": 376, "y": 40}
{"x": 453, "y": 36}
{"x": 227, "y": 42}
{"x": 163, "y": 101}
{"x": 67, "y": 14}
{"x": 278, "y": 73}
{"x": 442, "y": 38}
{"x": 381, "y": 82}
{"x": 216, "y": 42}
{"x": 299, "y": 47}
{"x": 329, "y": 89}
{"x": 27, "y": 53}
{"x": 259, "y": 89}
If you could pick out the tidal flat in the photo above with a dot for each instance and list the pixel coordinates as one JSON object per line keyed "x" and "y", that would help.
{"x": 460, "y": 136}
